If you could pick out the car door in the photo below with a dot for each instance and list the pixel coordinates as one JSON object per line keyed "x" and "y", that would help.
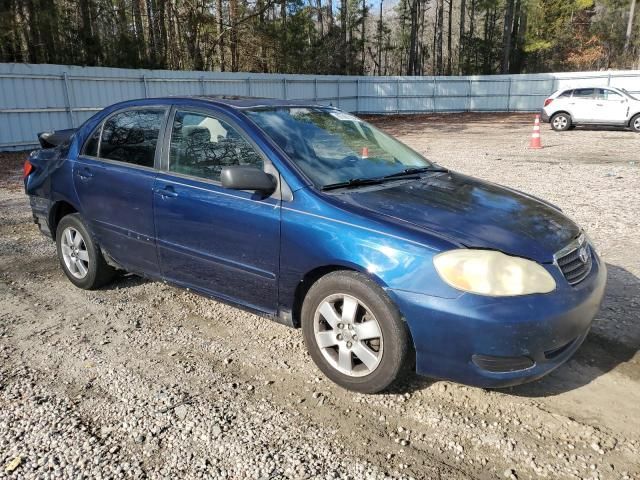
{"x": 611, "y": 107}
{"x": 219, "y": 241}
{"x": 582, "y": 105}
{"x": 114, "y": 178}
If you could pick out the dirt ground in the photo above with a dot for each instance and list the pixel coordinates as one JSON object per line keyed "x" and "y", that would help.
{"x": 141, "y": 379}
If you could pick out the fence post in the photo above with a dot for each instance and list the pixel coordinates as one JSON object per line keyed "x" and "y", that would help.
{"x": 608, "y": 79}
{"x": 249, "y": 93}
{"x": 435, "y": 87}
{"x": 397, "y": 95}
{"x": 284, "y": 88}
{"x": 146, "y": 88}
{"x": 67, "y": 99}
{"x": 315, "y": 89}
{"x": 509, "y": 96}
{"x": 470, "y": 94}
{"x": 338, "y": 102}
{"x": 202, "y": 89}
{"x": 358, "y": 95}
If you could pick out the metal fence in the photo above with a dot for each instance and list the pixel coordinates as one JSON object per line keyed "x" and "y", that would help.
{"x": 35, "y": 98}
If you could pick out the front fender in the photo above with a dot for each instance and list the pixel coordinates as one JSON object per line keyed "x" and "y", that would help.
{"x": 326, "y": 236}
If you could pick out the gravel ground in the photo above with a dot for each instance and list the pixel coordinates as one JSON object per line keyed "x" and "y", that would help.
{"x": 140, "y": 379}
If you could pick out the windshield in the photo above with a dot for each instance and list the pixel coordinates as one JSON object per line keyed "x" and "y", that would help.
{"x": 628, "y": 94}
{"x": 331, "y": 146}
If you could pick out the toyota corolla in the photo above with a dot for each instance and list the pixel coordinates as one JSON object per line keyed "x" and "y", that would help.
{"x": 314, "y": 218}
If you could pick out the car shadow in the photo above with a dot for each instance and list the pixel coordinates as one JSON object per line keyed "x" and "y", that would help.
{"x": 614, "y": 340}
{"x": 601, "y": 128}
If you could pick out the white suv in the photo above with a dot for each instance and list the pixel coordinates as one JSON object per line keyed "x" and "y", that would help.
{"x": 565, "y": 109}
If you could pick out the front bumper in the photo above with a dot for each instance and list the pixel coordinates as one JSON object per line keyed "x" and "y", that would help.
{"x": 518, "y": 339}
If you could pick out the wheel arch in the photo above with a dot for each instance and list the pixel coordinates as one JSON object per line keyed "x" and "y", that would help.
{"x": 631, "y": 117}
{"x": 561, "y": 111}
{"x": 315, "y": 274}
{"x": 57, "y": 212}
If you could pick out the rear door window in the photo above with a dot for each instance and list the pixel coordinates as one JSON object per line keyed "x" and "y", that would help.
{"x": 131, "y": 136}
{"x": 586, "y": 93}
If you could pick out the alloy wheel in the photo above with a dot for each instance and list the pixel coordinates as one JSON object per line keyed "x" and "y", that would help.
{"x": 74, "y": 252}
{"x": 560, "y": 122}
{"x": 348, "y": 335}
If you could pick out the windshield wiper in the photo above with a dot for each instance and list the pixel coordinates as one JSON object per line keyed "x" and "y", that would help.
{"x": 352, "y": 182}
{"x": 415, "y": 170}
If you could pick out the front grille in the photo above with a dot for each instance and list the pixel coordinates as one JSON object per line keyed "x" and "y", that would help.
{"x": 575, "y": 261}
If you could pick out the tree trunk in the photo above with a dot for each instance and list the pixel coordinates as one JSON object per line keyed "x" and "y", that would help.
{"x": 283, "y": 39}
{"x": 439, "y": 37}
{"x": 413, "y": 38}
{"x": 472, "y": 25}
{"x": 221, "y": 35}
{"x": 344, "y": 55}
{"x": 461, "y": 39}
{"x": 320, "y": 19}
{"x": 139, "y": 31}
{"x": 449, "y": 49}
{"x": 627, "y": 40}
{"x": 364, "y": 36}
{"x": 506, "y": 36}
{"x": 380, "y": 30}
{"x": 233, "y": 36}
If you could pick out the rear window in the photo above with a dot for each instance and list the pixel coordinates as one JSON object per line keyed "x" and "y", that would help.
{"x": 130, "y": 137}
{"x": 566, "y": 93}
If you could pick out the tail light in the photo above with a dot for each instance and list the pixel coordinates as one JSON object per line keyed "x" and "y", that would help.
{"x": 27, "y": 169}
{"x": 548, "y": 101}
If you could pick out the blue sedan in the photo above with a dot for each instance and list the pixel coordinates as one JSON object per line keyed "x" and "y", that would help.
{"x": 316, "y": 219}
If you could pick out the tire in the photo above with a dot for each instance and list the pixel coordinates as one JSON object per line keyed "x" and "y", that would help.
{"x": 334, "y": 349}
{"x": 561, "y": 122}
{"x": 634, "y": 124}
{"x": 80, "y": 257}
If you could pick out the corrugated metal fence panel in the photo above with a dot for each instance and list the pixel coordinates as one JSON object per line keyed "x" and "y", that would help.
{"x": 34, "y": 98}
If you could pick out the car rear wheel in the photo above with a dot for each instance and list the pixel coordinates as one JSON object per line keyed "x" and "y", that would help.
{"x": 354, "y": 333}
{"x": 80, "y": 257}
{"x": 561, "y": 122}
{"x": 635, "y": 123}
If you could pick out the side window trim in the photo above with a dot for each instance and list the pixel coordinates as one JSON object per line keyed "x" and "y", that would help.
{"x": 160, "y": 144}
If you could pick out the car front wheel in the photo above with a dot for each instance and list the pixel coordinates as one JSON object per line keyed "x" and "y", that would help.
{"x": 354, "y": 333}
{"x": 635, "y": 123}
{"x": 561, "y": 122}
{"x": 80, "y": 257}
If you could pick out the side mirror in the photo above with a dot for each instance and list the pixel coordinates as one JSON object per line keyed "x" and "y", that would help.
{"x": 247, "y": 178}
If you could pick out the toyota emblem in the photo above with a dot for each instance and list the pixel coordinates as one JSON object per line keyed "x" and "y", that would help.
{"x": 583, "y": 254}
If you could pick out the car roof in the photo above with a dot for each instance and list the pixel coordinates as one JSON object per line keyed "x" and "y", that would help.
{"x": 242, "y": 102}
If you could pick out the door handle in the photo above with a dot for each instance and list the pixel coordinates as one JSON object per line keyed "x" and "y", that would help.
{"x": 167, "y": 191}
{"x": 85, "y": 173}
{"x": 599, "y": 105}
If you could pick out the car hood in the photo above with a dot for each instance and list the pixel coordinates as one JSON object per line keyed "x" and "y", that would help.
{"x": 474, "y": 213}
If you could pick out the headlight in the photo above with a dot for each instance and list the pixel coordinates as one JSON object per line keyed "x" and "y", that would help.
{"x": 487, "y": 272}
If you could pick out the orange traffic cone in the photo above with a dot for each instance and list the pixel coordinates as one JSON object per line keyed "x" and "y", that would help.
{"x": 535, "y": 136}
